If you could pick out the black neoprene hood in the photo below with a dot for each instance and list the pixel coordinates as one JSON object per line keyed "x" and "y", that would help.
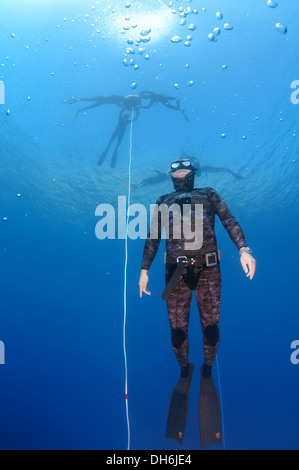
{"x": 184, "y": 184}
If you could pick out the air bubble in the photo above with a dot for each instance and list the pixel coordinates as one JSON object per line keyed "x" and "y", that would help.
{"x": 212, "y": 37}
{"x": 227, "y": 26}
{"x": 219, "y": 15}
{"x": 133, "y": 86}
{"x": 145, "y": 39}
{"x": 272, "y": 4}
{"x": 145, "y": 32}
{"x": 281, "y": 28}
{"x": 176, "y": 39}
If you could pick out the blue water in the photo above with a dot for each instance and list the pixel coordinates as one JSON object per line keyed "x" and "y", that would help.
{"x": 62, "y": 384}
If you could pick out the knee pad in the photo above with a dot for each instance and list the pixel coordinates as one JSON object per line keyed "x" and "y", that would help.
{"x": 212, "y": 334}
{"x": 177, "y": 337}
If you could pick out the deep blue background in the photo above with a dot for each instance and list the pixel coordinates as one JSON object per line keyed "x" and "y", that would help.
{"x": 62, "y": 386}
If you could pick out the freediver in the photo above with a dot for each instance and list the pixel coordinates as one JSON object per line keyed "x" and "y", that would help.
{"x": 188, "y": 270}
{"x": 132, "y": 103}
{"x": 129, "y": 103}
{"x": 163, "y": 99}
{"x": 125, "y": 102}
{"x": 118, "y": 134}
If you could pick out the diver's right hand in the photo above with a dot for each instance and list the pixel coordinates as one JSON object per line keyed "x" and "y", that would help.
{"x": 143, "y": 283}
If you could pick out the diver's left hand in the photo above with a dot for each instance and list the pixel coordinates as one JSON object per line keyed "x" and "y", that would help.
{"x": 248, "y": 264}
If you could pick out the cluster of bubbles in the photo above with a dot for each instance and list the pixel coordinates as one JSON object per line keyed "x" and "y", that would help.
{"x": 144, "y": 37}
{"x": 279, "y": 26}
{"x": 183, "y": 13}
{"x": 217, "y": 30}
{"x": 183, "y": 16}
{"x": 135, "y": 45}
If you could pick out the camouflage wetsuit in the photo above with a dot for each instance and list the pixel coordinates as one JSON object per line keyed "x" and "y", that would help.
{"x": 207, "y": 283}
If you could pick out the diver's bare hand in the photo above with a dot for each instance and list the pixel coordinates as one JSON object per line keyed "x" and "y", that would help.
{"x": 248, "y": 264}
{"x": 143, "y": 282}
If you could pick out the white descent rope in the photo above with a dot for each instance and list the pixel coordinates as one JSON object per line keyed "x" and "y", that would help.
{"x": 125, "y": 287}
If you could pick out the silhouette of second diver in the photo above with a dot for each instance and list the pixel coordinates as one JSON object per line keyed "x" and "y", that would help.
{"x": 161, "y": 176}
{"x": 129, "y": 103}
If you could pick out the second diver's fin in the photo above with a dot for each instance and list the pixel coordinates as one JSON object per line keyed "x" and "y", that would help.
{"x": 209, "y": 413}
{"x": 178, "y": 408}
{"x": 184, "y": 114}
{"x": 75, "y": 117}
{"x": 113, "y": 159}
